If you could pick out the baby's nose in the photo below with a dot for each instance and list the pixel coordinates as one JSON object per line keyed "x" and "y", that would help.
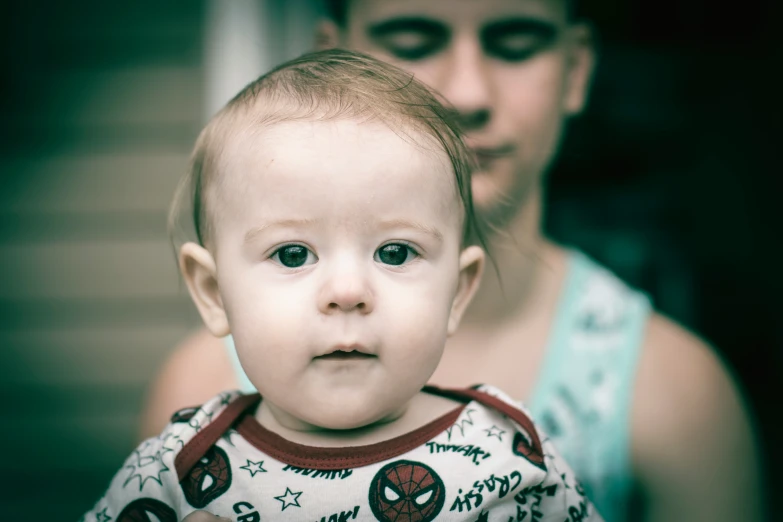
{"x": 346, "y": 291}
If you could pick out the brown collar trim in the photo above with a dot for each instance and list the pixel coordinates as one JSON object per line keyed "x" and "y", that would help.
{"x": 328, "y": 458}
{"x": 239, "y": 414}
{"x": 204, "y": 439}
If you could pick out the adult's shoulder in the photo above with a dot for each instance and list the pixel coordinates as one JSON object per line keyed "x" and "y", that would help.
{"x": 196, "y": 370}
{"x": 693, "y": 448}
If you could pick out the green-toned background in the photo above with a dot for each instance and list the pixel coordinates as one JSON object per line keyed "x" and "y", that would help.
{"x": 101, "y": 102}
{"x": 670, "y": 178}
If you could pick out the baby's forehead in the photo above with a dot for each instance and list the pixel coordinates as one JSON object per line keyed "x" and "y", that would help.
{"x": 317, "y": 149}
{"x": 361, "y": 168}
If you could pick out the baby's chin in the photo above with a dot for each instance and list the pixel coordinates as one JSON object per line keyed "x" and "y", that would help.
{"x": 352, "y": 414}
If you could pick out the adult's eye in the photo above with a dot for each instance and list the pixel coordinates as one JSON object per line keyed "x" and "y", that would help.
{"x": 513, "y": 48}
{"x": 395, "y": 254}
{"x": 294, "y": 256}
{"x": 409, "y": 38}
{"x": 518, "y": 40}
{"x": 412, "y": 46}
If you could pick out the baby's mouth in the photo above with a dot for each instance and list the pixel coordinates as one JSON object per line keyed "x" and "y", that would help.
{"x": 342, "y": 355}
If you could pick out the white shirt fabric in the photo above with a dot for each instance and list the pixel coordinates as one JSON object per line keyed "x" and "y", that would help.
{"x": 484, "y": 461}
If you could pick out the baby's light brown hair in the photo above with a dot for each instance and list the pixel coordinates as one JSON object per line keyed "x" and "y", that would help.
{"x": 321, "y": 86}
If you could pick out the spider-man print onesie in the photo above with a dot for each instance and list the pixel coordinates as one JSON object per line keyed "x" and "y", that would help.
{"x": 483, "y": 461}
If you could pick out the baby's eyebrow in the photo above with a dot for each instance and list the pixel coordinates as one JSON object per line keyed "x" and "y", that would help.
{"x": 404, "y": 223}
{"x": 251, "y": 234}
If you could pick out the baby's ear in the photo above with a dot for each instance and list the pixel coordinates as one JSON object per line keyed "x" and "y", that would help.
{"x": 200, "y": 274}
{"x": 471, "y": 267}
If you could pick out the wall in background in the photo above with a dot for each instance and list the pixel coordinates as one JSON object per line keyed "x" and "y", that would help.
{"x": 101, "y": 102}
{"x": 669, "y": 178}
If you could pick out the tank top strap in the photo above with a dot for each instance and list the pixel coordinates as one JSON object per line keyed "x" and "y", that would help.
{"x": 584, "y": 393}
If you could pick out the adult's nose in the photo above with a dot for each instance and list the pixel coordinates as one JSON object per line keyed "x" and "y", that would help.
{"x": 466, "y": 83}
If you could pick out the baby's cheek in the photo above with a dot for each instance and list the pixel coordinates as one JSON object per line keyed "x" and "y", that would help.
{"x": 269, "y": 339}
{"x": 270, "y": 364}
{"x": 421, "y": 331}
{"x": 272, "y": 314}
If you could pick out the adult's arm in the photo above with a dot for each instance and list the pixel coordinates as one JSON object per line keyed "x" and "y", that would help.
{"x": 695, "y": 452}
{"x": 198, "y": 369}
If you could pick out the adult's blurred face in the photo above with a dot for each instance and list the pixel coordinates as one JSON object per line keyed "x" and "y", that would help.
{"x": 513, "y": 69}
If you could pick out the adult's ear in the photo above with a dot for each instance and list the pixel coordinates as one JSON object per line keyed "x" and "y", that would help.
{"x": 471, "y": 267}
{"x": 200, "y": 274}
{"x": 581, "y": 65}
{"x": 327, "y": 35}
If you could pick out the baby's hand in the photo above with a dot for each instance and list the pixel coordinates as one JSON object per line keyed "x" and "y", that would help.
{"x": 203, "y": 516}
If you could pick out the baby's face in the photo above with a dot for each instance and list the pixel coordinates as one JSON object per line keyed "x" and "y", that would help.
{"x": 337, "y": 247}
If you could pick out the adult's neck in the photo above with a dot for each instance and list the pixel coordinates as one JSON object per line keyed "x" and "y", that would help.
{"x": 528, "y": 275}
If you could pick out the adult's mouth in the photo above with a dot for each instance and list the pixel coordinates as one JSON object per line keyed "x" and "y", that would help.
{"x": 485, "y": 155}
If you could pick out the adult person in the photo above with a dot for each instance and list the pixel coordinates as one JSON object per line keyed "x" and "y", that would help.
{"x": 642, "y": 409}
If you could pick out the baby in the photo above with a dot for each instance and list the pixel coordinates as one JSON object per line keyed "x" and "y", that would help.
{"x": 335, "y": 240}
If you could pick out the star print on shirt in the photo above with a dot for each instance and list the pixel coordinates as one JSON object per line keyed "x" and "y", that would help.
{"x": 227, "y": 437}
{"x": 146, "y": 464}
{"x": 226, "y": 398}
{"x": 494, "y": 431}
{"x": 195, "y": 424}
{"x": 253, "y": 467}
{"x": 101, "y": 516}
{"x": 289, "y": 498}
{"x": 201, "y": 419}
{"x": 460, "y": 425}
{"x": 171, "y": 441}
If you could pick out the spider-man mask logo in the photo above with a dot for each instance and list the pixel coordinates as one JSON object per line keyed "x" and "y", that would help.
{"x": 524, "y": 447}
{"x": 406, "y": 491}
{"x": 208, "y": 479}
{"x": 147, "y": 510}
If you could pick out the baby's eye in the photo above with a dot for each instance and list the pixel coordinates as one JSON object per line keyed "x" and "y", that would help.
{"x": 395, "y": 254}
{"x": 294, "y": 256}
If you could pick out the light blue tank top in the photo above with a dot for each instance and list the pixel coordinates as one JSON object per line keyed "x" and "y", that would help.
{"x": 583, "y": 397}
